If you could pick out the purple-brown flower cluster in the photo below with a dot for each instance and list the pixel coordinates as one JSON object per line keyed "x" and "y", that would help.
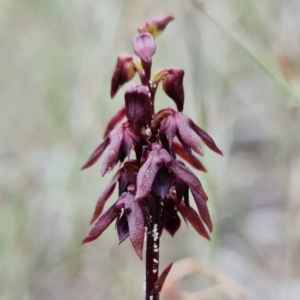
{"x": 154, "y": 174}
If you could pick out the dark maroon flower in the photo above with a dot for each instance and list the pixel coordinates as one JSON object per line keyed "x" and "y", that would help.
{"x": 126, "y": 176}
{"x": 173, "y": 205}
{"x": 184, "y": 128}
{"x": 131, "y": 223}
{"x": 171, "y": 221}
{"x": 144, "y": 46}
{"x": 173, "y": 86}
{"x": 124, "y": 72}
{"x": 158, "y": 158}
{"x": 120, "y": 141}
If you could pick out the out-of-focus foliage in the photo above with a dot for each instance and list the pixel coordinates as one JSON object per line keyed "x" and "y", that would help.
{"x": 241, "y": 62}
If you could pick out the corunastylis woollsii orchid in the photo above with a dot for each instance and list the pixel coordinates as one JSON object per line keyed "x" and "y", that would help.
{"x": 154, "y": 186}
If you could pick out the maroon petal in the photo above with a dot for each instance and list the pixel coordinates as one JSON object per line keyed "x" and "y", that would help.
{"x": 173, "y": 86}
{"x": 203, "y": 210}
{"x": 105, "y": 220}
{"x": 128, "y": 175}
{"x": 115, "y": 137}
{"x": 115, "y": 120}
{"x": 147, "y": 173}
{"x": 165, "y": 156}
{"x": 161, "y": 280}
{"x": 124, "y": 72}
{"x": 123, "y": 229}
{"x": 162, "y": 114}
{"x": 190, "y": 158}
{"x": 105, "y": 195}
{"x": 127, "y": 143}
{"x": 185, "y": 175}
{"x": 182, "y": 191}
{"x": 173, "y": 224}
{"x": 138, "y": 108}
{"x": 168, "y": 210}
{"x": 185, "y": 146}
{"x": 156, "y": 25}
{"x": 138, "y": 149}
{"x": 134, "y": 137}
{"x": 186, "y": 133}
{"x": 191, "y": 215}
{"x": 162, "y": 182}
{"x": 169, "y": 129}
{"x": 96, "y": 154}
{"x": 144, "y": 46}
{"x": 146, "y": 214}
{"x": 136, "y": 224}
{"x": 209, "y": 142}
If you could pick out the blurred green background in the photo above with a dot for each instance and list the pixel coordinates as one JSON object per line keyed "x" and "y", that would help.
{"x": 241, "y": 62}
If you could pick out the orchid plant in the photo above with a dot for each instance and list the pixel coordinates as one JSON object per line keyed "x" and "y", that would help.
{"x": 153, "y": 187}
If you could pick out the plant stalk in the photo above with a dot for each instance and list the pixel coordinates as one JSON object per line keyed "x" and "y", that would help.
{"x": 152, "y": 250}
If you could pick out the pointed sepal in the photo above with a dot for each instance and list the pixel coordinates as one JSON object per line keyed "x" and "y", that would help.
{"x": 193, "y": 218}
{"x": 208, "y": 141}
{"x": 185, "y": 133}
{"x": 136, "y": 224}
{"x": 104, "y": 221}
{"x": 112, "y": 156}
{"x": 96, "y": 154}
{"x": 105, "y": 195}
{"x": 190, "y": 158}
{"x": 202, "y": 209}
{"x": 115, "y": 120}
{"x": 147, "y": 174}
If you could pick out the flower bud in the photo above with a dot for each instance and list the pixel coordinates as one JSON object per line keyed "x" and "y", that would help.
{"x": 138, "y": 108}
{"x": 156, "y": 25}
{"x": 173, "y": 86}
{"x": 124, "y": 72}
{"x": 144, "y": 46}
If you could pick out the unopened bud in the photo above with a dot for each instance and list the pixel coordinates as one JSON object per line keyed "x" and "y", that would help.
{"x": 124, "y": 72}
{"x": 156, "y": 25}
{"x": 173, "y": 86}
{"x": 138, "y": 108}
{"x": 144, "y": 46}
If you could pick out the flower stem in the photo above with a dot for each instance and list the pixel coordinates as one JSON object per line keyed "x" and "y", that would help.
{"x": 152, "y": 250}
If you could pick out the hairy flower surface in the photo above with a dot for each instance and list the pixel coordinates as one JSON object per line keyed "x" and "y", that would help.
{"x": 152, "y": 183}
